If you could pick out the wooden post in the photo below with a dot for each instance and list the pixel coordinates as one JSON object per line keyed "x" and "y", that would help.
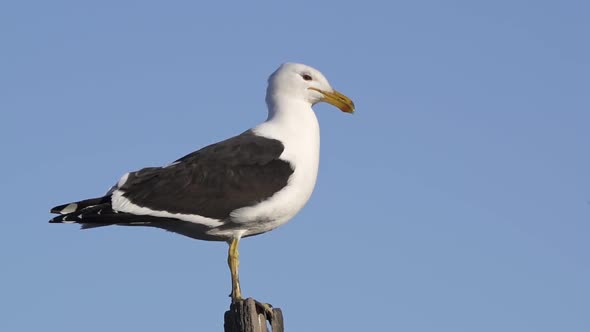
{"x": 247, "y": 316}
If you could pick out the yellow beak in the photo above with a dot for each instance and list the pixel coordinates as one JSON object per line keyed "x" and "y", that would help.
{"x": 337, "y": 99}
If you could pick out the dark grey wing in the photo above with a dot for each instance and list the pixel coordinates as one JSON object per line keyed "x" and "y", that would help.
{"x": 215, "y": 180}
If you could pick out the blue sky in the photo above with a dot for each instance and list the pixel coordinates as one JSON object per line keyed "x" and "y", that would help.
{"x": 457, "y": 198}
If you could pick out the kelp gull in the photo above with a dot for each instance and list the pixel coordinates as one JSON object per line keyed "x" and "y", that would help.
{"x": 246, "y": 185}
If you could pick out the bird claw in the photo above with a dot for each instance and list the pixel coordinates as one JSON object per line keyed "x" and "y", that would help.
{"x": 266, "y": 308}
{"x": 261, "y": 307}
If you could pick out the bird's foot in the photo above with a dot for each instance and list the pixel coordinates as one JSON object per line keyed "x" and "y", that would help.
{"x": 261, "y": 307}
{"x": 235, "y": 298}
{"x": 266, "y": 308}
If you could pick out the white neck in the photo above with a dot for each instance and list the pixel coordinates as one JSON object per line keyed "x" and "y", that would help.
{"x": 292, "y": 121}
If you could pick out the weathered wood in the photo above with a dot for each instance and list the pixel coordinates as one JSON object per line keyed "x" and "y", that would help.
{"x": 250, "y": 316}
{"x": 277, "y": 320}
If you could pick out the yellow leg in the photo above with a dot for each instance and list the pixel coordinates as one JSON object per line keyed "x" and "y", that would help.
{"x": 233, "y": 260}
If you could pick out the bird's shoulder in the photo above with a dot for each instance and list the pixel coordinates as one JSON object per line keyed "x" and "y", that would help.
{"x": 246, "y": 148}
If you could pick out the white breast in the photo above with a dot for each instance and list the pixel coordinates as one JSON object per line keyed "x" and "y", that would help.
{"x": 299, "y": 131}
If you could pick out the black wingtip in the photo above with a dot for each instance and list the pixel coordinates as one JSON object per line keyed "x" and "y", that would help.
{"x": 65, "y": 208}
{"x": 64, "y": 219}
{"x": 56, "y": 220}
{"x": 77, "y": 206}
{"x": 56, "y": 209}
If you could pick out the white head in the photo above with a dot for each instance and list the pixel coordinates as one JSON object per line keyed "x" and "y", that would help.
{"x": 304, "y": 83}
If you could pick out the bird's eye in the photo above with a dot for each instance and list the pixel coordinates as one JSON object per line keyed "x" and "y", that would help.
{"x": 306, "y": 77}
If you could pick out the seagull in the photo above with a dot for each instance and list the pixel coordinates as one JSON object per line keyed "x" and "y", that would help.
{"x": 246, "y": 185}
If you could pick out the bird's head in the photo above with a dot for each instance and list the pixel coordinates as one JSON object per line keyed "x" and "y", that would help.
{"x": 295, "y": 80}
